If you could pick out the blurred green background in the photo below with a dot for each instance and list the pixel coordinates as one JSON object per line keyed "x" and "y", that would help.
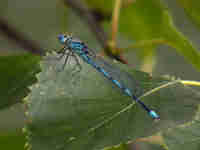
{"x": 43, "y": 20}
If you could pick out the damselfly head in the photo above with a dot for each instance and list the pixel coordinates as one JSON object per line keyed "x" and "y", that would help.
{"x": 63, "y": 38}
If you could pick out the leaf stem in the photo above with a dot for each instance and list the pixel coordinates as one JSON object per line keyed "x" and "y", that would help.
{"x": 82, "y": 10}
{"x": 115, "y": 20}
{"x": 19, "y": 38}
{"x": 188, "y": 82}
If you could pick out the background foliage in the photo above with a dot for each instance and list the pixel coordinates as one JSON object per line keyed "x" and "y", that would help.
{"x": 160, "y": 37}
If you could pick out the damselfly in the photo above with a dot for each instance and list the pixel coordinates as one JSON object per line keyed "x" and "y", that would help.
{"x": 76, "y": 48}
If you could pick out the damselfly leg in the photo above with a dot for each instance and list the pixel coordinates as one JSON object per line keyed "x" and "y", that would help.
{"x": 67, "y": 53}
{"x": 66, "y": 58}
{"x": 77, "y": 61}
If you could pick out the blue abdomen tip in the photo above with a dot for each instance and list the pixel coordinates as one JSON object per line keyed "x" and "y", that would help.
{"x": 154, "y": 115}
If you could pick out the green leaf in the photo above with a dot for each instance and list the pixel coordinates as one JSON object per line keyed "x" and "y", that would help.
{"x": 137, "y": 145}
{"x": 148, "y": 20}
{"x": 85, "y": 111}
{"x": 184, "y": 136}
{"x": 192, "y": 8}
{"x": 118, "y": 147}
{"x": 17, "y": 73}
{"x": 12, "y": 140}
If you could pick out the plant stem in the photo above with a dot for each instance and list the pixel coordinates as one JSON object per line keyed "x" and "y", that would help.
{"x": 115, "y": 20}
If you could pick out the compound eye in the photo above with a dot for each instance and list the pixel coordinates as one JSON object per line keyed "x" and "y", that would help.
{"x": 61, "y": 38}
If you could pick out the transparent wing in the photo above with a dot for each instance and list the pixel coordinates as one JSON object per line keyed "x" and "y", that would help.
{"x": 125, "y": 78}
